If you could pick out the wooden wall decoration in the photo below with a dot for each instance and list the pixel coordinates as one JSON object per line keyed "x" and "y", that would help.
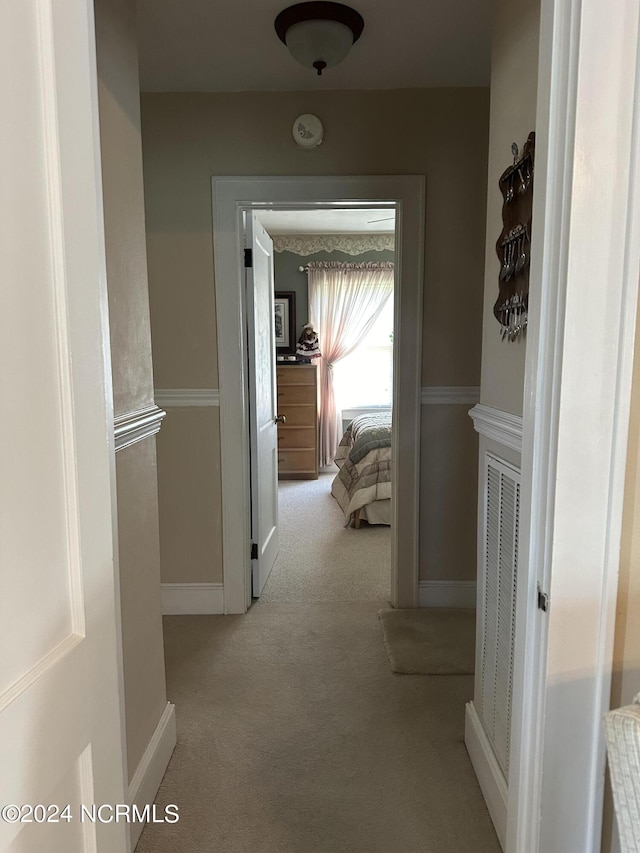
{"x": 514, "y": 243}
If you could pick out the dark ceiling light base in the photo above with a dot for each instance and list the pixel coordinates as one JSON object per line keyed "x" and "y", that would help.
{"x": 319, "y": 12}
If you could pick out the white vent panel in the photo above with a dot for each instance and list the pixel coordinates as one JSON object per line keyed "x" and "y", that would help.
{"x": 498, "y": 585}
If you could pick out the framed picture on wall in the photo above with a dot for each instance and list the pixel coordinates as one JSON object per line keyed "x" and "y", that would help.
{"x": 285, "y": 321}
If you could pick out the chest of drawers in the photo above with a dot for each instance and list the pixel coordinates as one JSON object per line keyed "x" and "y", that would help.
{"x": 297, "y": 387}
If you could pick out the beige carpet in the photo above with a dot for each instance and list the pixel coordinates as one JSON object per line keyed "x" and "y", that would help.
{"x": 320, "y": 559}
{"x": 429, "y": 641}
{"x": 295, "y": 737}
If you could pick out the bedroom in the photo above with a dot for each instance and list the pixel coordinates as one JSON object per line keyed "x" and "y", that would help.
{"x": 335, "y": 269}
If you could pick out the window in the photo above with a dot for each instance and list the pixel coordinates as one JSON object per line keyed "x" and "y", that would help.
{"x": 365, "y": 377}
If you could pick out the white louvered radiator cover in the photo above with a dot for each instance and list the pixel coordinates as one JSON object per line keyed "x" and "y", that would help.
{"x": 497, "y": 604}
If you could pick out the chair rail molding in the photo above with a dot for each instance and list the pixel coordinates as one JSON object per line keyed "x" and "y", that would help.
{"x": 502, "y": 427}
{"x": 177, "y": 398}
{"x": 449, "y": 395}
{"x": 136, "y": 426}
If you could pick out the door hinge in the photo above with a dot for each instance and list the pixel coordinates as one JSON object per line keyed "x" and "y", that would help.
{"x": 248, "y": 258}
{"x": 254, "y": 550}
{"x": 543, "y": 600}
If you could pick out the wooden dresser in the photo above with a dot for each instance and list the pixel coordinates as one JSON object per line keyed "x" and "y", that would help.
{"x": 298, "y": 437}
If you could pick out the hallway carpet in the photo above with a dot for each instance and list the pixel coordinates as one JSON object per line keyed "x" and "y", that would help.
{"x": 320, "y": 559}
{"x": 295, "y": 737}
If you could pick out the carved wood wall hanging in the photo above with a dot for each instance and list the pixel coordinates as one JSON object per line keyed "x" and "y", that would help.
{"x": 514, "y": 243}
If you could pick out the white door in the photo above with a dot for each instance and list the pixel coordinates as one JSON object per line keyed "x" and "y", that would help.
{"x": 60, "y": 706}
{"x": 262, "y": 404}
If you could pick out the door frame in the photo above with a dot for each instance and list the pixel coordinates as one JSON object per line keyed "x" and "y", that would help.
{"x": 576, "y": 414}
{"x": 232, "y": 196}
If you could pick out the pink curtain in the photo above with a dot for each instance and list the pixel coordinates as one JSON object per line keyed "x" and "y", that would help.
{"x": 345, "y": 300}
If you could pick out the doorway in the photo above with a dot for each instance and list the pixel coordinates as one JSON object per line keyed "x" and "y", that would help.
{"x": 333, "y": 278}
{"x": 232, "y": 197}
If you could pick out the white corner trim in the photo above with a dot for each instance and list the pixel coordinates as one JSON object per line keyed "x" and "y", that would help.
{"x": 490, "y": 776}
{"x": 187, "y": 397}
{"x": 136, "y": 426}
{"x": 447, "y": 594}
{"x": 444, "y": 395}
{"x": 502, "y": 427}
{"x": 153, "y": 765}
{"x": 187, "y": 599}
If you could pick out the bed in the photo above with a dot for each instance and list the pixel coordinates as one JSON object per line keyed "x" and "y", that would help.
{"x": 362, "y": 486}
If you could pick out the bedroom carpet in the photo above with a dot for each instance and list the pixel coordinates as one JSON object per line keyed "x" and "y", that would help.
{"x": 320, "y": 559}
{"x": 429, "y": 641}
{"x": 295, "y": 737}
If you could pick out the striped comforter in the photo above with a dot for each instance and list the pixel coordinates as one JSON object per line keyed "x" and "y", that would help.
{"x": 364, "y": 459}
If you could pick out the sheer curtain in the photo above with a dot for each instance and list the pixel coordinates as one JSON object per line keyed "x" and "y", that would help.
{"x": 344, "y": 302}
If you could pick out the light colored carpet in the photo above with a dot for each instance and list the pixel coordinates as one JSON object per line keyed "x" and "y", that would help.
{"x": 320, "y": 559}
{"x": 295, "y": 737}
{"x": 293, "y": 734}
{"x": 430, "y": 641}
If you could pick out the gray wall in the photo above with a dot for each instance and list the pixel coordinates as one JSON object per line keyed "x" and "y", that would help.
{"x": 288, "y": 276}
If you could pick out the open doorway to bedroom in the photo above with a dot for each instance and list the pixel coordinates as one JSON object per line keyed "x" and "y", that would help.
{"x": 333, "y": 281}
{"x": 240, "y": 200}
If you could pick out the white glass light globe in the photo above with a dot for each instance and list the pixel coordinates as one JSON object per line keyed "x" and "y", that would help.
{"x": 312, "y": 42}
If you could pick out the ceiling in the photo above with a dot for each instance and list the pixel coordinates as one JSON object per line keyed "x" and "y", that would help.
{"x": 231, "y": 46}
{"x": 278, "y": 222}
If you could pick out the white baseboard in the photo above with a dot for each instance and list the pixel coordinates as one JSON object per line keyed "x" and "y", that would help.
{"x": 447, "y": 594}
{"x": 487, "y": 769}
{"x": 148, "y": 776}
{"x": 187, "y": 599}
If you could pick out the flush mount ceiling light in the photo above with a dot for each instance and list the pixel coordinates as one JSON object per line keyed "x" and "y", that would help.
{"x": 319, "y": 34}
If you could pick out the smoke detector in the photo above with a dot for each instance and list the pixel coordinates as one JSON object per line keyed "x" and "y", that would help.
{"x": 308, "y": 131}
